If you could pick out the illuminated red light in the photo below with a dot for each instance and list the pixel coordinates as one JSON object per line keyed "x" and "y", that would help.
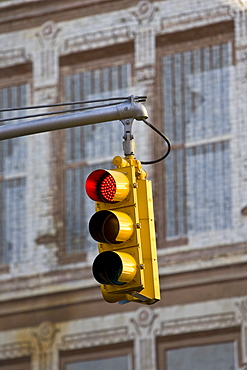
{"x": 107, "y": 188}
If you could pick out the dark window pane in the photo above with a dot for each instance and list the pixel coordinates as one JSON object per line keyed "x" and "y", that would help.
{"x": 119, "y": 363}
{"x": 90, "y": 147}
{"x": 208, "y": 357}
{"x": 12, "y": 180}
{"x": 196, "y": 103}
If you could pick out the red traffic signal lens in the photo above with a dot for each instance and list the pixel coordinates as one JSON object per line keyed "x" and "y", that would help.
{"x": 107, "y": 186}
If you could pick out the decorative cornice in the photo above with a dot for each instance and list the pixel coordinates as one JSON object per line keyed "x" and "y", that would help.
{"x": 196, "y": 19}
{"x": 12, "y": 57}
{"x": 15, "y": 350}
{"x": 198, "y": 323}
{"x": 95, "y": 338}
{"x": 48, "y": 279}
{"x": 93, "y": 40}
{"x": 203, "y": 254}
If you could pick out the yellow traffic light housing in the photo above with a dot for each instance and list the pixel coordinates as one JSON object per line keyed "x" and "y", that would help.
{"x": 123, "y": 226}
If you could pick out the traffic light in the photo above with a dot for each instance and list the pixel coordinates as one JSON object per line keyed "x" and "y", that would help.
{"x": 123, "y": 226}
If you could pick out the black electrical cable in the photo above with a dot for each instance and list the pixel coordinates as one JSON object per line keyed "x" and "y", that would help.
{"x": 55, "y": 112}
{"x": 163, "y": 137}
{"x": 138, "y": 99}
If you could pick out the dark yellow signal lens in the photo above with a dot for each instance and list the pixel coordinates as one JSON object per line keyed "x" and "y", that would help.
{"x": 111, "y": 227}
{"x": 114, "y": 268}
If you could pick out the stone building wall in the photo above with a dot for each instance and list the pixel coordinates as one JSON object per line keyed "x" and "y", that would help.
{"x": 51, "y": 312}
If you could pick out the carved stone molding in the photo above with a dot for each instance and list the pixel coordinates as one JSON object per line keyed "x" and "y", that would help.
{"x": 196, "y": 19}
{"x": 12, "y": 57}
{"x": 48, "y": 34}
{"x": 44, "y": 338}
{"x": 46, "y": 95}
{"x": 241, "y": 53}
{"x": 95, "y": 338}
{"x": 242, "y": 309}
{"x": 46, "y": 66}
{"x": 145, "y": 74}
{"x": 199, "y": 323}
{"x": 102, "y": 38}
{"x": 241, "y": 306}
{"x": 143, "y": 321}
{"x": 15, "y": 350}
{"x": 144, "y": 12}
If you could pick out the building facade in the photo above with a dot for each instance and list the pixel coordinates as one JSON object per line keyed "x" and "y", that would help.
{"x": 189, "y": 57}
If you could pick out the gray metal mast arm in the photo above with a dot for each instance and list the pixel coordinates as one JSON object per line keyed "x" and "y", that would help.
{"x": 128, "y": 109}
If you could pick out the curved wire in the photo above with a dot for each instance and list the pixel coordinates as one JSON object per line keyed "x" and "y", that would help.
{"x": 163, "y": 137}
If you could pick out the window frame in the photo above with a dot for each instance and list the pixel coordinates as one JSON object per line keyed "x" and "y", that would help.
{"x": 211, "y": 337}
{"x": 72, "y": 64}
{"x": 11, "y": 77}
{"x": 96, "y": 353}
{"x": 170, "y": 44}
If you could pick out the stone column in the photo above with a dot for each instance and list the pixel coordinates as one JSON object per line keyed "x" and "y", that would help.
{"x": 145, "y": 339}
{"x": 45, "y": 57}
{"x": 45, "y": 354}
{"x": 145, "y": 71}
{"x": 239, "y": 14}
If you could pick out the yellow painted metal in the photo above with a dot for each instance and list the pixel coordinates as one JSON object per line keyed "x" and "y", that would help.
{"x": 122, "y": 185}
{"x": 141, "y": 245}
{"x": 122, "y": 222}
{"x": 129, "y": 267}
{"x": 148, "y": 242}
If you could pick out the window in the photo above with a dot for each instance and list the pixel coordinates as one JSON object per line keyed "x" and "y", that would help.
{"x": 110, "y": 357}
{"x": 208, "y": 357}
{"x": 89, "y": 147}
{"x": 208, "y": 350}
{"x": 12, "y": 181}
{"x": 120, "y": 363}
{"x": 196, "y": 118}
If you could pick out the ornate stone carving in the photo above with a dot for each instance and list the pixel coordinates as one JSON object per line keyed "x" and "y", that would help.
{"x": 46, "y": 66}
{"x": 92, "y": 40}
{"x": 195, "y": 19}
{"x": 145, "y": 12}
{"x": 45, "y": 338}
{"x": 95, "y": 338}
{"x": 46, "y": 95}
{"x": 146, "y": 73}
{"x": 15, "y": 350}
{"x": 143, "y": 321}
{"x": 12, "y": 57}
{"x": 241, "y": 54}
{"x": 199, "y": 323}
{"x": 242, "y": 309}
{"x": 48, "y": 34}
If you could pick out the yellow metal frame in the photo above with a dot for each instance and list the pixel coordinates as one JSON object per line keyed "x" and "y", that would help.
{"x": 138, "y": 204}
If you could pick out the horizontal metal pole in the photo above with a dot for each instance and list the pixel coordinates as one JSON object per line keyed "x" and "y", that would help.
{"x": 121, "y": 111}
